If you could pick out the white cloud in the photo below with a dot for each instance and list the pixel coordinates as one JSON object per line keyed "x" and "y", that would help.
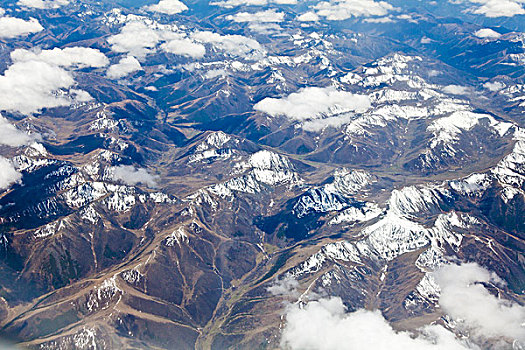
{"x": 265, "y": 28}
{"x": 38, "y": 80}
{"x": 267, "y": 16}
{"x": 124, "y": 67}
{"x": 8, "y": 174}
{"x": 285, "y": 287}
{"x": 308, "y": 17}
{"x": 214, "y": 73}
{"x": 407, "y": 17}
{"x": 11, "y": 136}
{"x": 235, "y": 45}
{"x": 43, "y": 4}
{"x": 464, "y": 298}
{"x": 482, "y": 317}
{"x": 378, "y": 20}
{"x": 184, "y": 47}
{"x": 494, "y": 86}
{"x": 11, "y": 27}
{"x": 337, "y": 10}
{"x": 130, "y": 175}
{"x": 263, "y": 22}
{"x": 70, "y": 57}
{"x": 135, "y": 38}
{"x": 330, "y": 122}
{"x": 235, "y": 3}
{"x": 487, "y": 33}
{"x": 313, "y": 103}
{"x": 496, "y": 8}
{"x": 325, "y": 325}
{"x": 169, "y": 7}
{"x": 140, "y": 40}
{"x": 455, "y": 89}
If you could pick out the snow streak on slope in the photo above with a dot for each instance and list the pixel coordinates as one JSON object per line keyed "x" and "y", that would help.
{"x": 334, "y": 196}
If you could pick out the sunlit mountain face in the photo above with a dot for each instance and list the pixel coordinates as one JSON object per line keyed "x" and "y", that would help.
{"x": 262, "y": 174}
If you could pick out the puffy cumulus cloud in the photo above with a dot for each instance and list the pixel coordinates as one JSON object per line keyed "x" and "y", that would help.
{"x": 263, "y": 22}
{"x": 267, "y": 16}
{"x": 135, "y": 38}
{"x": 485, "y": 318}
{"x": 43, "y": 4}
{"x": 494, "y": 86}
{"x": 265, "y": 28}
{"x": 11, "y": 136}
{"x": 337, "y": 10}
{"x": 124, "y": 67}
{"x": 308, "y": 17}
{"x": 316, "y": 125}
{"x": 130, "y": 175}
{"x": 41, "y": 79}
{"x": 214, "y": 73}
{"x": 325, "y": 325}
{"x": 236, "y": 3}
{"x": 169, "y": 7}
{"x": 464, "y": 298}
{"x": 70, "y": 57}
{"x": 286, "y": 286}
{"x": 11, "y": 27}
{"x": 498, "y": 8}
{"x": 140, "y": 40}
{"x": 487, "y": 33}
{"x": 8, "y": 174}
{"x": 234, "y": 45}
{"x": 184, "y": 47}
{"x": 455, "y": 89}
{"x": 313, "y": 103}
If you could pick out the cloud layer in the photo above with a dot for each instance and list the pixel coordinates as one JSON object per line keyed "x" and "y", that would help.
{"x": 337, "y": 10}
{"x": 463, "y": 297}
{"x": 42, "y": 79}
{"x": 124, "y": 67}
{"x": 456, "y": 89}
{"x": 132, "y": 176}
{"x": 234, "y": 45}
{"x": 11, "y": 136}
{"x": 498, "y": 8}
{"x": 325, "y": 325}
{"x": 236, "y": 3}
{"x": 11, "y": 27}
{"x": 267, "y": 16}
{"x": 43, "y": 4}
{"x": 8, "y": 174}
{"x": 169, "y": 7}
{"x": 184, "y": 47}
{"x": 316, "y": 107}
{"x": 138, "y": 39}
{"x": 314, "y": 102}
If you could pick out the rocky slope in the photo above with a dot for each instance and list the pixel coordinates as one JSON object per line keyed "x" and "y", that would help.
{"x": 192, "y": 175}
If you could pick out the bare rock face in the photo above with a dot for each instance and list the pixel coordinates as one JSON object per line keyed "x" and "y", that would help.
{"x": 187, "y": 176}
